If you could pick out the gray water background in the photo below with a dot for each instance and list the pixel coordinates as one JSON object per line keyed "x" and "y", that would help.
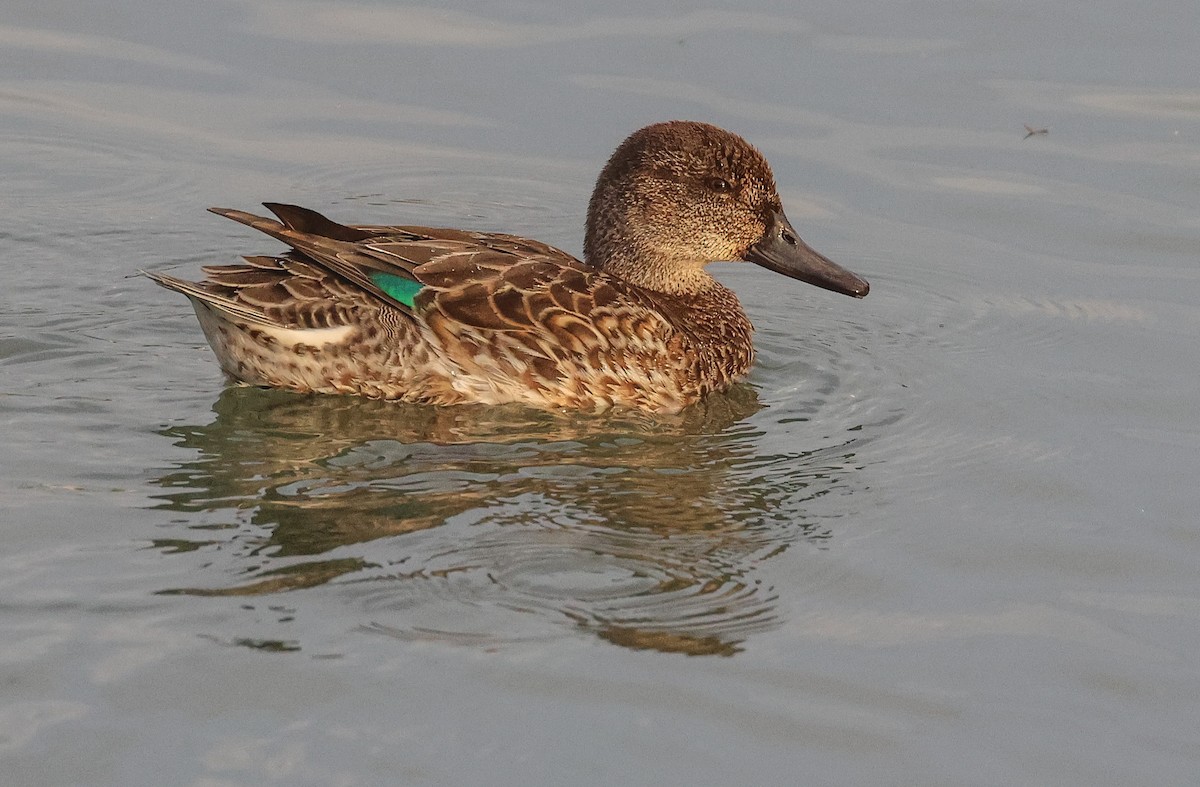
{"x": 945, "y": 535}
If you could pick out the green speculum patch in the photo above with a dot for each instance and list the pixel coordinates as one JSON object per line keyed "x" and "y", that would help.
{"x": 397, "y": 287}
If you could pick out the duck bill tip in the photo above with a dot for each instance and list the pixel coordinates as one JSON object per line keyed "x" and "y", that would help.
{"x": 781, "y": 250}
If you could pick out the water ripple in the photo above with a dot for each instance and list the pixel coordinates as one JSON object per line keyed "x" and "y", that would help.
{"x": 71, "y": 172}
{"x": 687, "y": 593}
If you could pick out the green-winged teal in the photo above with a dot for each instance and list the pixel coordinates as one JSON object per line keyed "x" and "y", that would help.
{"x": 449, "y": 316}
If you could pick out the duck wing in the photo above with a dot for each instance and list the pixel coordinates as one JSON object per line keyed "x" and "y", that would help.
{"x": 464, "y": 285}
{"x": 492, "y": 281}
{"x": 386, "y": 261}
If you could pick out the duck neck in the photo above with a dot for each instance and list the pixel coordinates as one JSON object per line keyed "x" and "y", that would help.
{"x": 711, "y": 327}
{"x": 717, "y": 333}
{"x": 711, "y": 314}
{"x": 649, "y": 270}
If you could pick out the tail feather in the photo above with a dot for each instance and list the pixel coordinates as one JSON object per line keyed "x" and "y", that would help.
{"x": 198, "y": 293}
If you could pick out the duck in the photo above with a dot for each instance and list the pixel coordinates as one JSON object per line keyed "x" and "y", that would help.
{"x": 451, "y": 316}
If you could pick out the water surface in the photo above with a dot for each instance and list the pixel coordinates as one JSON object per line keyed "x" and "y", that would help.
{"x": 944, "y": 535}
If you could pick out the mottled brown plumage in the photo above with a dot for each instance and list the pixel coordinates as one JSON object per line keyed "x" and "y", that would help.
{"x": 450, "y": 316}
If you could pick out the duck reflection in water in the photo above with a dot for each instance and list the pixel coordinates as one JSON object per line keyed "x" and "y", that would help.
{"x": 642, "y": 529}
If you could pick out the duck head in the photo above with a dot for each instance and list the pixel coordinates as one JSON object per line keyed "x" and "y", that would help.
{"x": 678, "y": 195}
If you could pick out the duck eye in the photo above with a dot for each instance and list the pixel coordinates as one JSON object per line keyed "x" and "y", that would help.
{"x": 720, "y": 185}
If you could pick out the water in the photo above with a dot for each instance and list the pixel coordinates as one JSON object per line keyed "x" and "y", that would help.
{"x": 945, "y": 535}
